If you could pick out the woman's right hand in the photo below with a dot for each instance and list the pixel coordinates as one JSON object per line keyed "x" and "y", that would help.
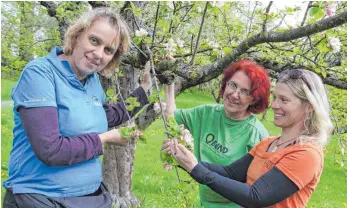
{"x": 112, "y": 136}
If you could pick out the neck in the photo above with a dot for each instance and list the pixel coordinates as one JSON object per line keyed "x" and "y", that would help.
{"x": 73, "y": 67}
{"x": 290, "y": 133}
{"x": 238, "y": 116}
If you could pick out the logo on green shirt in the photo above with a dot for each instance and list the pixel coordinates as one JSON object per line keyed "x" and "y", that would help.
{"x": 212, "y": 142}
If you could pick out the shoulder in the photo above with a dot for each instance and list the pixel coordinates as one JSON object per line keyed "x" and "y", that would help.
{"x": 41, "y": 65}
{"x": 257, "y": 126}
{"x": 262, "y": 146}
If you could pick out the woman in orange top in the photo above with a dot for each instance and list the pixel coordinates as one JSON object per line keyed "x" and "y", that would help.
{"x": 281, "y": 171}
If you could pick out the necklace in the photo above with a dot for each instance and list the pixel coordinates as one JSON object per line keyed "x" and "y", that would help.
{"x": 275, "y": 148}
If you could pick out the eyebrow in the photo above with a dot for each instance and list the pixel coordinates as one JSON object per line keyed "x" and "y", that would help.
{"x": 239, "y": 86}
{"x": 100, "y": 41}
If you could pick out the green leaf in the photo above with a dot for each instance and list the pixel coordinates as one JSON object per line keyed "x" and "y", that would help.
{"x": 316, "y": 13}
{"x": 290, "y": 9}
{"x": 110, "y": 92}
{"x": 125, "y": 132}
{"x": 324, "y": 74}
{"x": 313, "y": 11}
{"x": 227, "y": 50}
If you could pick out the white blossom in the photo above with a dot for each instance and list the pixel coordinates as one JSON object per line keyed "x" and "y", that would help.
{"x": 166, "y": 166}
{"x": 170, "y": 5}
{"x": 170, "y": 46}
{"x": 331, "y": 10}
{"x": 141, "y": 32}
{"x": 198, "y": 9}
{"x": 188, "y": 138}
{"x": 335, "y": 44}
{"x": 218, "y": 4}
{"x": 180, "y": 43}
{"x": 157, "y": 109}
{"x": 342, "y": 151}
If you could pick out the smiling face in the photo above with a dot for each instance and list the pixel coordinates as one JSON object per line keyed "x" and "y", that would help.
{"x": 236, "y": 104}
{"x": 289, "y": 110}
{"x": 94, "y": 49}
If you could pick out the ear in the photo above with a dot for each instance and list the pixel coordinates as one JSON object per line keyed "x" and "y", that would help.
{"x": 308, "y": 108}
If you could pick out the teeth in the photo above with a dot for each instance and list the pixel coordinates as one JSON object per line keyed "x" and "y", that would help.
{"x": 232, "y": 101}
{"x": 91, "y": 61}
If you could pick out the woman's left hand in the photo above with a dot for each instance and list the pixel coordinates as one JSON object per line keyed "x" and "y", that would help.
{"x": 183, "y": 156}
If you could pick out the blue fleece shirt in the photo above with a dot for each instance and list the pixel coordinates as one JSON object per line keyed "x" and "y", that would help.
{"x": 48, "y": 81}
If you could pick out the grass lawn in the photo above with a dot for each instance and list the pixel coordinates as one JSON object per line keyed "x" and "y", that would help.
{"x": 156, "y": 187}
{"x": 6, "y": 88}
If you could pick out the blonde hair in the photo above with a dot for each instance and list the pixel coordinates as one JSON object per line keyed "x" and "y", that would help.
{"x": 87, "y": 19}
{"x": 310, "y": 88}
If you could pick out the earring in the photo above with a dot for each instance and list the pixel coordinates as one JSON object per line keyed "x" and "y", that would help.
{"x": 308, "y": 122}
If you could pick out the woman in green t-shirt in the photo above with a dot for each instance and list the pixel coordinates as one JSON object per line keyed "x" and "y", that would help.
{"x": 225, "y": 133}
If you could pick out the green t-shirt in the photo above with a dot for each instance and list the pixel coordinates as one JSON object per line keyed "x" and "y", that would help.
{"x": 219, "y": 140}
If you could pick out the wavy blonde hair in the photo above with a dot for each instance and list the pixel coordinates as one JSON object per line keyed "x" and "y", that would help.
{"x": 310, "y": 88}
{"x": 87, "y": 19}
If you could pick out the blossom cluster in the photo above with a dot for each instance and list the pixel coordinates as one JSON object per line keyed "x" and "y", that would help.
{"x": 335, "y": 44}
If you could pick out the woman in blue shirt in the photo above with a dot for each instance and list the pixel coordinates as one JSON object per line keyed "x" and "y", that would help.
{"x": 61, "y": 117}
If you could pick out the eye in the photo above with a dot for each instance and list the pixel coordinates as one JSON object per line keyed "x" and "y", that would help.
{"x": 109, "y": 51}
{"x": 93, "y": 41}
{"x": 245, "y": 92}
{"x": 233, "y": 86}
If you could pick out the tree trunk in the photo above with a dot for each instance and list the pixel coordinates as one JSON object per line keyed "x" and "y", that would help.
{"x": 118, "y": 160}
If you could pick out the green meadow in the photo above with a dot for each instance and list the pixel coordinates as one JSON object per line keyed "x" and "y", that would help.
{"x": 156, "y": 187}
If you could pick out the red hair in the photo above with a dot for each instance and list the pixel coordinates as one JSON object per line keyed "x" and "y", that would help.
{"x": 260, "y": 88}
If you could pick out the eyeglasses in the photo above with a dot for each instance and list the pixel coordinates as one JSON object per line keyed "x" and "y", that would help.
{"x": 233, "y": 86}
{"x": 296, "y": 74}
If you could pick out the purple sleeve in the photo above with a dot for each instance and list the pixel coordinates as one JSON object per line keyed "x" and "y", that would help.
{"x": 116, "y": 113}
{"x": 42, "y": 129}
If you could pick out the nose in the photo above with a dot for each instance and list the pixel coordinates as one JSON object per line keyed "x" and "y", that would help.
{"x": 98, "y": 52}
{"x": 235, "y": 93}
{"x": 274, "y": 104}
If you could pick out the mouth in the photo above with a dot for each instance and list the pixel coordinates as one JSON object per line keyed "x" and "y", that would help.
{"x": 231, "y": 101}
{"x": 91, "y": 61}
{"x": 278, "y": 115}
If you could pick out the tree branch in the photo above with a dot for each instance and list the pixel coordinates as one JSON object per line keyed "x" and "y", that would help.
{"x": 198, "y": 39}
{"x": 267, "y": 16}
{"x": 156, "y": 21}
{"x": 305, "y": 16}
{"x": 189, "y": 54}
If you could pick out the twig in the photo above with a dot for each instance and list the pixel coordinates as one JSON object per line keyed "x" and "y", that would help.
{"x": 267, "y": 16}
{"x": 198, "y": 39}
{"x": 305, "y": 16}
{"x": 156, "y": 21}
{"x": 121, "y": 97}
{"x": 250, "y": 23}
{"x": 226, "y": 24}
{"x": 157, "y": 89}
{"x": 189, "y": 54}
{"x": 139, "y": 49}
{"x": 173, "y": 13}
{"x": 284, "y": 16}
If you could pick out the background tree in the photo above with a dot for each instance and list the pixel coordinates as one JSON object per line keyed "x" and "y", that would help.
{"x": 204, "y": 37}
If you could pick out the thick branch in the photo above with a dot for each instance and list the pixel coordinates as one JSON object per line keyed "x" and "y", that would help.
{"x": 190, "y": 76}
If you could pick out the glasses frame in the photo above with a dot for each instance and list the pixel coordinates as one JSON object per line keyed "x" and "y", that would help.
{"x": 241, "y": 94}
